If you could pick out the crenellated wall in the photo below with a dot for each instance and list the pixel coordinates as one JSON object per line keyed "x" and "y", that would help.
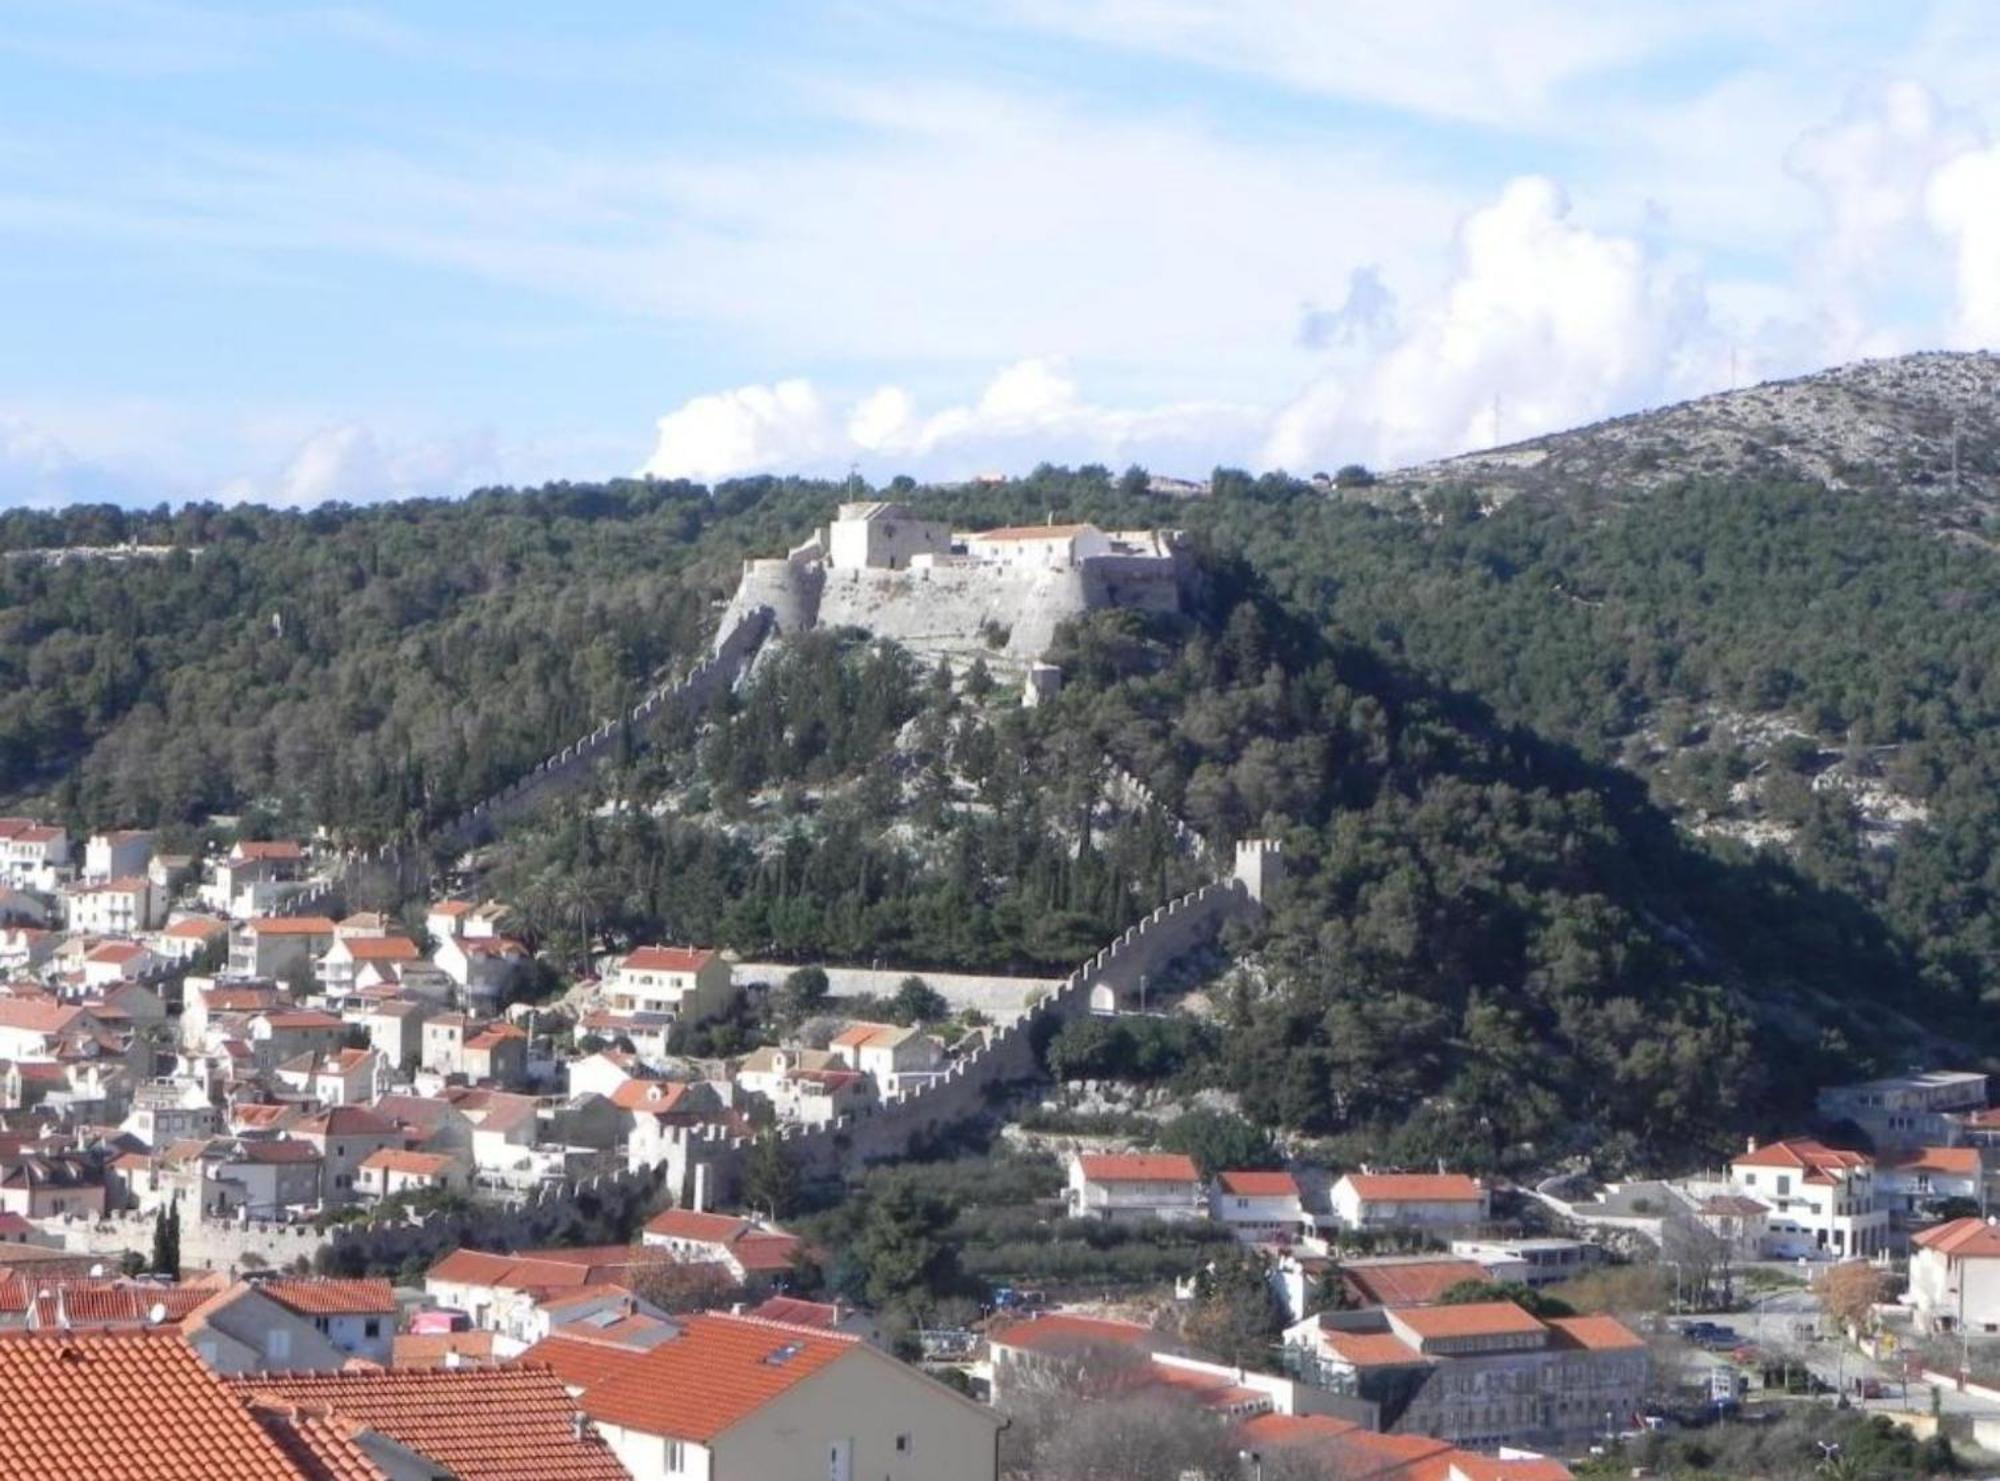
{"x": 890, "y": 1127}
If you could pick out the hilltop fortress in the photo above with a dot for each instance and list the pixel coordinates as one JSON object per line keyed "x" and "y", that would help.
{"x": 944, "y": 593}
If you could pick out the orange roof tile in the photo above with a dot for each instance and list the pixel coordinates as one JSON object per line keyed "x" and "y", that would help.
{"x": 1597, "y": 1333}
{"x": 429, "y": 1349}
{"x": 323, "y": 1446}
{"x": 1259, "y": 1184}
{"x": 668, "y": 958}
{"x": 1371, "y": 1349}
{"x": 482, "y": 1424}
{"x": 1059, "y": 1332}
{"x": 290, "y": 925}
{"x": 719, "y": 1371}
{"x": 1958, "y": 1162}
{"x": 417, "y": 1164}
{"x": 1474, "y": 1319}
{"x": 796, "y": 1312}
{"x": 1961, "y": 1239}
{"x": 1033, "y": 532}
{"x": 1139, "y": 1167}
{"x": 333, "y": 1297}
{"x": 382, "y": 949}
{"x": 125, "y": 1405}
{"x": 581, "y": 1362}
{"x": 1417, "y": 1282}
{"x": 1805, "y": 1153}
{"x": 1414, "y": 1187}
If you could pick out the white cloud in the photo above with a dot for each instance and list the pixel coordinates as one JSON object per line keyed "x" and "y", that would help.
{"x": 1964, "y": 205}
{"x": 1868, "y": 168}
{"x": 352, "y": 463}
{"x": 1462, "y": 59}
{"x": 1544, "y": 324}
{"x": 1028, "y": 413}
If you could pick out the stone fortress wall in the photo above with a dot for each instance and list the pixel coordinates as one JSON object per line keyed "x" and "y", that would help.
{"x": 919, "y": 588}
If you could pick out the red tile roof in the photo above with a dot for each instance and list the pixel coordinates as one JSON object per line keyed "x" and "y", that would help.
{"x": 552, "y": 1269}
{"x": 1957, "y": 1162}
{"x": 797, "y": 1312}
{"x": 1474, "y": 1319}
{"x": 581, "y": 1362}
{"x": 687, "y": 1223}
{"x": 382, "y": 949}
{"x": 346, "y": 1121}
{"x": 275, "y": 848}
{"x": 1033, "y": 532}
{"x": 1961, "y": 1239}
{"x": 1806, "y": 1154}
{"x": 1259, "y": 1184}
{"x": 290, "y": 925}
{"x": 331, "y": 1297}
{"x": 126, "y": 1405}
{"x": 416, "y": 1164}
{"x": 718, "y": 1372}
{"x": 323, "y": 1446}
{"x": 430, "y": 1349}
{"x": 302, "y": 1018}
{"x": 482, "y": 1424}
{"x": 1371, "y": 1349}
{"x": 1139, "y": 1167}
{"x": 1414, "y": 1187}
{"x": 1417, "y": 1282}
{"x": 668, "y": 958}
{"x": 1062, "y": 1332}
{"x": 1598, "y": 1333}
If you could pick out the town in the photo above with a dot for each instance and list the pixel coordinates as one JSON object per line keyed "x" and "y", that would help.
{"x": 296, "y": 1183}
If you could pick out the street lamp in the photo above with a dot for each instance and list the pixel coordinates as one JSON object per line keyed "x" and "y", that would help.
{"x": 1255, "y": 1460}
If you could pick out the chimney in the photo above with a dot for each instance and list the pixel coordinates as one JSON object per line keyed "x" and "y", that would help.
{"x": 576, "y": 1425}
{"x": 1750, "y": 1145}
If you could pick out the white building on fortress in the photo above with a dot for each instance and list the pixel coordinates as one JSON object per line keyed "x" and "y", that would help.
{"x": 999, "y": 594}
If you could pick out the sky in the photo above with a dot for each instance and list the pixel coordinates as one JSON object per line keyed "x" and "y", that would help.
{"x": 297, "y": 254}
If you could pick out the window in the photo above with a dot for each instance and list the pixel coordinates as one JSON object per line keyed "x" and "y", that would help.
{"x": 372, "y": 1327}
{"x": 903, "y": 1444}
{"x": 674, "y": 1456}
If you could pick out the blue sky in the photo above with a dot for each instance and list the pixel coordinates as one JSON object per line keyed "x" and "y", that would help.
{"x": 299, "y": 253}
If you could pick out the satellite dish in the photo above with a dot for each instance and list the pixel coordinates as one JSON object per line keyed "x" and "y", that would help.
{"x": 97, "y": 1272}
{"x": 156, "y": 1313}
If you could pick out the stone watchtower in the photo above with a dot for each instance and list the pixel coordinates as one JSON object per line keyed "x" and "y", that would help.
{"x": 1260, "y": 865}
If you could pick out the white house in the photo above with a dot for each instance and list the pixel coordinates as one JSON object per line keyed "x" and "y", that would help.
{"x": 1917, "y": 1181}
{"x": 1046, "y": 547}
{"x": 1955, "y": 1277}
{"x": 187, "y": 938}
{"x": 1258, "y": 1207}
{"x": 111, "y": 962}
{"x": 33, "y": 855}
{"x": 357, "y": 1315}
{"x": 117, "y": 855}
{"x": 735, "y": 1396}
{"x": 391, "y": 1170}
{"x": 752, "y": 1253}
{"x": 1409, "y": 1200}
{"x": 1134, "y": 1185}
{"x": 114, "y": 907}
{"x": 1822, "y": 1199}
{"x": 684, "y": 983}
{"x": 895, "y": 1058}
{"x": 345, "y": 957}
{"x": 273, "y": 946}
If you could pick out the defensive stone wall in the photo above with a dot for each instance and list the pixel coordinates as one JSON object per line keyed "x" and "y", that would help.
{"x": 890, "y": 1127}
{"x": 574, "y": 762}
{"x": 998, "y": 997}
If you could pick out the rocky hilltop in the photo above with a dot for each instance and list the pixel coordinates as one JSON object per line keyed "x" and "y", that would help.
{"x": 1880, "y": 424}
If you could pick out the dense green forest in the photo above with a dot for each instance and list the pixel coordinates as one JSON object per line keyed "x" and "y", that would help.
{"x": 1496, "y": 938}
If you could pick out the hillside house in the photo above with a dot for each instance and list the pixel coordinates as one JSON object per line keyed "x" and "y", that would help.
{"x": 481, "y": 966}
{"x": 254, "y": 877}
{"x": 895, "y": 1058}
{"x": 679, "y": 984}
{"x": 112, "y": 907}
{"x": 278, "y": 946}
{"x": 1955, "y": 1277}
{"x": 1480, "y": 1375}
{"x": 1132, "y": 1186}
{"x": 395, "y": 1031}
{"x": 1822, "y": 1199}
{"x": 33, "y": 856}
{"x": 185, "y": 939}
{"x": 1402, "y": 1200}
{"x": 117, "y": 855}
{"x": 1907, "y": 1110}
{"x": 345, "y": 1137}
{"x": 343, "y": 959}
{"x": 735, "y": 1396}
{"x": 1258, "y": 1207}
{"x": 112, "y": 962}
{"x": 754, "y": 1255}
{"x": 280, "y": 1035}
{"x": 1913, "y": 1183}
{"x": 387, "y": 1171}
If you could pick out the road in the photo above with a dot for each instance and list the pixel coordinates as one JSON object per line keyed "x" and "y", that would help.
{"x": 1771, "y": 1322}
